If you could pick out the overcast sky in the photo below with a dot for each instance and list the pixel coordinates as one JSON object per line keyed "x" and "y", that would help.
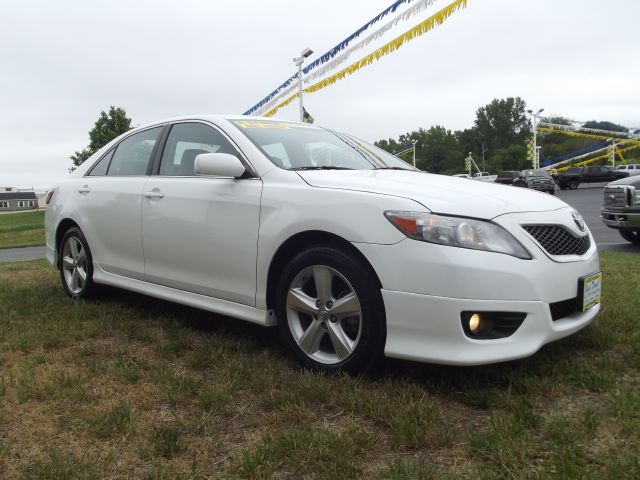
{"x": 63, "y": 62}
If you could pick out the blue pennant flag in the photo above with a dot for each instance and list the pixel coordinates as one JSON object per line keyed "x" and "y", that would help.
{"x": 306, "y": 117}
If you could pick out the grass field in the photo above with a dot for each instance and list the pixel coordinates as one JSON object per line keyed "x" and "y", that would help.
{"x": 133, "y": 387}
{"x": 24, "y": 229}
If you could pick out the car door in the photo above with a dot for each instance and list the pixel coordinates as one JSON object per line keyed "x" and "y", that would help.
{"x": 108, "y": 201}
{"x": 200, "y": 234}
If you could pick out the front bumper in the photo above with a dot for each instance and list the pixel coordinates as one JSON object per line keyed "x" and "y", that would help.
{"x": 426, "y": 287}
{"x": 621, "y": 220}
{"x": 428, "y": 329}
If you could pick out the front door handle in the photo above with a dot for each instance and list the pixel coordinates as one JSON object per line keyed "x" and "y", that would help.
{"x": 84, "y": 189}
{"x": 154, "y": 194}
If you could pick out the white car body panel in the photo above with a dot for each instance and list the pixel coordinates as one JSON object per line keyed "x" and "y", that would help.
{"x": 210, "y": 242}
{"x": 438, "y": 193}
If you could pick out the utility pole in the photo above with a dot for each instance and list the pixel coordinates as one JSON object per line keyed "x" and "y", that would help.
{"x": 306, "y": 53}
{"x": 613, "y": 153}
{"x": 483, "y": 150}
{"x": 534, "y": 121}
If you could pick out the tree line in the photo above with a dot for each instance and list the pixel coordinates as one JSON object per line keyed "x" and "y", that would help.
{"x": 500, "y": 134}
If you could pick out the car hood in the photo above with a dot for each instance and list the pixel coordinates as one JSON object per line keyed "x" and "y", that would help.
{"x": 439, "y": 193}
{"x": 632, "y": 180}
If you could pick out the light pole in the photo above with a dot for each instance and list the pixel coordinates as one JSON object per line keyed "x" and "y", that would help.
{"x": 307, "y": 52}
{"x": 414, "y": 151}
{"x": 534, "y": 120}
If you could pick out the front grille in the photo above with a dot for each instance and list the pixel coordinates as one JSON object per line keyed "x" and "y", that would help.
{"x": 615, "y": 197}
{"x": 558, "y": 241}
{"x": 563, "y": 309}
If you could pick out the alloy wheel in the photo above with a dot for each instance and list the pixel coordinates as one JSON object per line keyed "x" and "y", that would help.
{"x": 324, "y": 314}
{"x": 74, "y": 264}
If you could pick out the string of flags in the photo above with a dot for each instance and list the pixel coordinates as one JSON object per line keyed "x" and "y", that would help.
{"x": 330, "y": 54}
{"x": 341, "y": 53}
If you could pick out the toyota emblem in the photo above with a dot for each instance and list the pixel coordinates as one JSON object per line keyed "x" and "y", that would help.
{"x": 578, "y": 220}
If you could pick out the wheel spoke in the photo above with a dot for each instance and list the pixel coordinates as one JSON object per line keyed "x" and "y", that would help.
{"x": 310, "y": 340}
{"x": 342, "y": 344}
{"x": 346, "y": 306}
{"x": 82, "y": 274}
{"x": 81, "y": 255}
{"x": 73, "y": 248}
{"x": 74, "y": 280}
{"x": 68, "y": 263}
{"x": 322, "y": 277}
{"x": 300, "y": 301}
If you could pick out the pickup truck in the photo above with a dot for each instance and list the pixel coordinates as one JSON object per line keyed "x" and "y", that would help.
{"x": 590, "y": 174}
{"x": 621, "y": 209}
{"x": 484, "y": 177}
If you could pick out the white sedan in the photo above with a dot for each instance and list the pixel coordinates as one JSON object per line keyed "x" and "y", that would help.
{"x": 352, "y": 252}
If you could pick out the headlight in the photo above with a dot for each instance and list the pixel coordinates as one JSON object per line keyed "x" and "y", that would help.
{"x": 457, "y": 232}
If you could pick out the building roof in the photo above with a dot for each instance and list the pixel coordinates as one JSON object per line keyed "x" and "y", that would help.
{"x": 18, "y": 196}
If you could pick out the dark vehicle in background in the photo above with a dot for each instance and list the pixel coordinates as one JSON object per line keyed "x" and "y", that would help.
{"x": 536, "y": 180}
{"x": 508, "y": 177}
{"x": 621, "y": 209}
{"x": 590, "y": 174}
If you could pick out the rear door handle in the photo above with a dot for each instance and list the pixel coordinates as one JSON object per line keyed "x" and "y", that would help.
{"x": 84, "y": 189}
{"x": 154, "y": 194}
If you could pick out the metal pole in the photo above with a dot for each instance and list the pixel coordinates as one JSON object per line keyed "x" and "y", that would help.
{"x": 414, "y": 152}
{"x": 300, "y": 88}
{"x": 613, "y": 153}
{"x": 535, "y": 141}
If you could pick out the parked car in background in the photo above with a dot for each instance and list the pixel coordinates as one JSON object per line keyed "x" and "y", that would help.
{"x": 536, "y": 180}
{"x": 484, "y": 177}
{"x": 351, "y": 252}
{"x": 631, "y": 168}
{"x": 589, "y": 174}
{"x": 621, "y": 208}
{"x": 508, "y": 177}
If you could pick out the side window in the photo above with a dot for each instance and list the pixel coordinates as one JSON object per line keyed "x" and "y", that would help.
{"x": 185, "y": 142}
{"x": 100, "y": 168}
{"x": 133, "y": 153}
{"x": 4, "y": 204}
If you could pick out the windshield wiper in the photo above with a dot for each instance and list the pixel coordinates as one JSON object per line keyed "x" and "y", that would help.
{"x": 324, "y": 167}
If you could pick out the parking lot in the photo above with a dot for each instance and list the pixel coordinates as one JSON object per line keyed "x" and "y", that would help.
{"x": 587, "y": 199}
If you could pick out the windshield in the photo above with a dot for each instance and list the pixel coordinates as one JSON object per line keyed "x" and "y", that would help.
{"x": 536, "y": 173}
{"x": 295, "y": 146}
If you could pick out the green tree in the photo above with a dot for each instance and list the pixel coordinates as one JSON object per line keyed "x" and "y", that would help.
{"x": 614, "y": 127}
{"x": 107, "y": 127}
{"x": 502, "y": 123}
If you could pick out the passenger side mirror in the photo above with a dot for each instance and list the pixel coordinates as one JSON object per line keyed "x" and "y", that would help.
{"x": 218, "y": 165}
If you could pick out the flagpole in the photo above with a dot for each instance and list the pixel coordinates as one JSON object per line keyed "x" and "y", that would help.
{"x": 307, "y": 52}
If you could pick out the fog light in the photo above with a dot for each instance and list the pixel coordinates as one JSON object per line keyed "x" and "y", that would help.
{"x": 491, "y": 325}
{"x": 474, "y": 323}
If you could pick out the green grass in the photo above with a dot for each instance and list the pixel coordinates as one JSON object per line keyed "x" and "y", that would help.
{"x": 23, "y": 229}
{"x": 133, "y": 387}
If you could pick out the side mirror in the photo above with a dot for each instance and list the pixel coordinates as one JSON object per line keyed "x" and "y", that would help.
{"x": 218, "y": 165}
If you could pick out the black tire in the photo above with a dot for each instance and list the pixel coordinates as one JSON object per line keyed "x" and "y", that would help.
{"x": 552, "y": 192}
{"x": 573, "y": 184}
{"x": 632, "y": 236}
{"x": 369, "y": 342}
{"x": 74, "y": 268}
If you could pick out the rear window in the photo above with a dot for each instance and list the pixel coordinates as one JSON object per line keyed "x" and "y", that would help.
{"x": 506, "y": 174}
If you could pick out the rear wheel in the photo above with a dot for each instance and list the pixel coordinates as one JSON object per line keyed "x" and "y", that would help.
{"x": 330, "y": 311}
{"x": 76, "y": 265}
{"x": 573, "y": 184}
{"x": 632, "y": 236}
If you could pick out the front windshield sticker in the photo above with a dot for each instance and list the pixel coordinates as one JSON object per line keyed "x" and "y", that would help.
{"x": 259, "y": 124}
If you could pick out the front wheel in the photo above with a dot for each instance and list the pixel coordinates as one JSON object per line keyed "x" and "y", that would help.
{"x": 632, "y": 236}
{"x": 573, "y": 184}
{"x": 76, "y": 265}
{"x": 330, "y": 311}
